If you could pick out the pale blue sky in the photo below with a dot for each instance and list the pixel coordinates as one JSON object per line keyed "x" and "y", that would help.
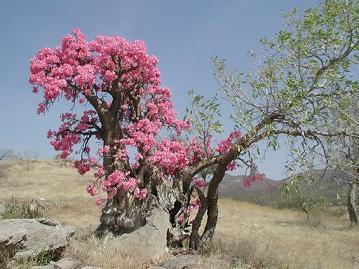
{"x": 184, "y": 35}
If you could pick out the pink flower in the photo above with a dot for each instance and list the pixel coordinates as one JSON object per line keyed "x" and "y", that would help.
{"x": 41, "y": 108}
{"x": 225, "y": 145}
{"x": 82, "y": 166}
{"x": 91, "y": 190}
{"x": 140, "y": 194}
{"x": 199, "y": 182}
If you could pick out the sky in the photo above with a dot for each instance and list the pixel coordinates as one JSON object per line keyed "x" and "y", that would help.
{"x": 183, "y": 35}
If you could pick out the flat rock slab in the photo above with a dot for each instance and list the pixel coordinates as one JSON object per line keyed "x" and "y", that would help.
{"x": 31, "y": 237}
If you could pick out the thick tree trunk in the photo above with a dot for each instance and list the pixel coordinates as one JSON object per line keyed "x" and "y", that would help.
{"x": 212, "y": 217}
{"x": 353, "y": 203}
{"x": 122, "y": 213}
{"x": 211, "y": 206}
{"x": 196, "y": 224}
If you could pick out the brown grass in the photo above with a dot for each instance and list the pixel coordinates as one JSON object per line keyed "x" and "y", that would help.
{"x": 262, "y": 236}
{"x": 273, "y": 238}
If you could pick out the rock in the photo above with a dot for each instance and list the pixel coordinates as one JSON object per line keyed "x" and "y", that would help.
{"x": 64, "y": 263}
{"x": 183, "y": 261}
{"x": 149, "y": 239}
{"x": 67, "y": 263}
{"x": 11, "y": 240}
{"x": 33, "y": 238}
{"x": 193, "y": 262}
{"x": 49, "y": 266}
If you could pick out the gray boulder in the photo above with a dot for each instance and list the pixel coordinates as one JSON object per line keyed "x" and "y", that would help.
{"x": 194, "y": 262}
{"x": 183, "y": 261}
{"x": 149, "y": 239}
{"x": 24, "y": 239}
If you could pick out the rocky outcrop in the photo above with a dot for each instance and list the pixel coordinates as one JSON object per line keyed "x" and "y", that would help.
{"x": 25, "y": 239}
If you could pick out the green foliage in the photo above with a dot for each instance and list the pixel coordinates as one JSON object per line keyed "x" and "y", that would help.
{"x": 45, "y": 257}
{"x": 21, "y": 210}
{"x": 305, "y": 73}
{"x": 294, "y": 195}
{"x": 205, "y": 115}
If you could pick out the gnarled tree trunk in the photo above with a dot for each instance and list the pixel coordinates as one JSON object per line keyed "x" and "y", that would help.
{"x": 122, "y": 213}
{"x": 209, "y": 204}
{"x": 353, "y": 203}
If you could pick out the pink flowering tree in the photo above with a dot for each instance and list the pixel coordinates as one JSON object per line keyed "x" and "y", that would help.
{"x": 116, "y": 86}
{"x": 124, "y": 107}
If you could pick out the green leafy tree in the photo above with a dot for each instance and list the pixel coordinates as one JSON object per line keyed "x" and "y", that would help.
{"x": 304, "y": 74}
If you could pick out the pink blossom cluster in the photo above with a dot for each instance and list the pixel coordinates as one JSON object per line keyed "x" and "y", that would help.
{"x": 84, "y": 165}
{"x": 171, "y": 155}
{"x": 119, "y": 180}
{"x": 252, "y": 179}
{"x": 199, "y": 182}
{"x": 82, "y": 67}
{"x": 71, "y": 131}
{"x": 225, "y": 145}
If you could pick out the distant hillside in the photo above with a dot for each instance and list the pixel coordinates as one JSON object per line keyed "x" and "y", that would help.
{"x": 266, "y": 192}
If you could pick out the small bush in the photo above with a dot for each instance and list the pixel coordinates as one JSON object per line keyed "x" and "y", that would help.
{"x": 45, "y": 257}
{"x": 22, "y": 210}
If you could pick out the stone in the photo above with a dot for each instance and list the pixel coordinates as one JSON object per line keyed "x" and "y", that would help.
{"x": 149, "y": 239}
{"x": 193, "y": 262}
{"x": 67, "y": 263}
{"x": 49, "y": 266}
{"x": 182, "y": 261}
{"x": 31, "y": 238}
{"x": 11, "y": 240}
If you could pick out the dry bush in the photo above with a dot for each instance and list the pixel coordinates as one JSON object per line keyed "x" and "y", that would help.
{"x": 15, "y": 209}
{"x": 94, "y": 253}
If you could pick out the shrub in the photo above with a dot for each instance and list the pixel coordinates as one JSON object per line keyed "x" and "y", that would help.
{"x": 22, "y": 210}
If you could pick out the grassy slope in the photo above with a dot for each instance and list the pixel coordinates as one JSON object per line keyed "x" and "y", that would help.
{"x": 263, "y": 235}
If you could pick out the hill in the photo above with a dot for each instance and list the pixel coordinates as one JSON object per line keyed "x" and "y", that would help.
{"x": 263, "y": 193}
{"x": 267, "y": 192}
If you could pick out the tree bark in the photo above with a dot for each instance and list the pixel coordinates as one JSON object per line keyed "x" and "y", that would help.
{"x": 196, "y": 224}
{"x": 122, "y": 213}
{"x": 353, "y": 203}
{"x": 212, "y": 217}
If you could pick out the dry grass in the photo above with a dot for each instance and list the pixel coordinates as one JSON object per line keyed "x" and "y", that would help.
{"x": 94, "y": 253}
{"x": 263, "y": 236}
{"x": 56, "y": 185}
{"x": 273, "y": 238}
